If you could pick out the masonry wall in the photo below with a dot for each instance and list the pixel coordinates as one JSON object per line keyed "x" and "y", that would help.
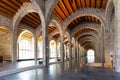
{"x": 5, "y": 45}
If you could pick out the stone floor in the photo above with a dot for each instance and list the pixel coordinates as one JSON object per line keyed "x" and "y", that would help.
{"x": 6, "y": 65}
{"x": 65, "y": 71}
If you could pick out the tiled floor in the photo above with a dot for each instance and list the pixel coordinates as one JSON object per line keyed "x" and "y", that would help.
{"x": 65, "y": 71}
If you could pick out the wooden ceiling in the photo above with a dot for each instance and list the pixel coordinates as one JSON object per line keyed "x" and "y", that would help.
{"x": 81, "y": 31}
{"x": 56, "y": 36}
{"x": 51, "y": 29}
{"x": 83, "y": 19}
{"x": 10, "y": 7}
{"x": 62, "y": 10}
{"x": 66, "y": 7}
{"x": 32, "y": 19}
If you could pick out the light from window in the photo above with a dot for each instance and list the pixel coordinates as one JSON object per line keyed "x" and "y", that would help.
{"x": 40, "y": 50}
{"x": 26, "y": 49}
{"x": 52, "y": 49}
{"x": 90, "y": 56}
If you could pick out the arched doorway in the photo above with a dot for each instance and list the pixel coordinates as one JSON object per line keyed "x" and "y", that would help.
{"x": 91, "y": 56}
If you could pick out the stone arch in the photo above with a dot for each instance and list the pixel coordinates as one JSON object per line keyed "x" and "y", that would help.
{"x": 89, "y": 37}
{"x": 26, "y": 27}
{"x": 50, "y": 5}
{"x": 24, "y": 10}
{"x": 90, "y": 33}
{"x": 115, "y": 3}
{"x": 96, "y": 27}
{"x": 53, "y": 33}
{"x": 52, "y": 39}
{"x": 66, "y": 41}
{"x": 98, "y": 13}
{"x": 57, "y": 24}
{"x": 39, "y": 32}
{"x": 73, "y": 40}
{"x": 88, "y": 40}
{"x": 109, "y": 10}
{"x": 22, "y": 32}
{"x": 68, "y": 34}
{"x": 97, "y": 33}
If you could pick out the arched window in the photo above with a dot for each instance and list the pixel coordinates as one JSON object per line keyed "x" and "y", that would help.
{"x": 25, "y": 49}
{"x": 58, "y": 49}
{"x": 90, "y": 56}
{"x": 52, "y": 49}
{"x": 40, "y": 49}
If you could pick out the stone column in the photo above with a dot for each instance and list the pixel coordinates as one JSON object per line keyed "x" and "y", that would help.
{"x": 77, "y": 50}
{"x": 14, "y": 46}
{"x": 35, "y": 49}
{"x": 101, "y": 48}
{"x": 117, "y": 35}
{"x": 73, "y": 51}
{"x": 56, "y": 53}
{"x": 100, "y": 51}
{"x": 103, "y": 52}
{"x": 70, "y": 50}
{"x": 45, "y": 51}
{"x": 74, "y": 46}
{"x": 65, "y": 51}
{"x": 62, "y": 48}
{"x": 45, "y": 45}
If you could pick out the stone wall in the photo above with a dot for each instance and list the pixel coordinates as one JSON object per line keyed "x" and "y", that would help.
{"x": 5, "y": 45}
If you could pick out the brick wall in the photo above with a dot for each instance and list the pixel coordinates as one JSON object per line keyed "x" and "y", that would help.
{"x": 5, "y": 45}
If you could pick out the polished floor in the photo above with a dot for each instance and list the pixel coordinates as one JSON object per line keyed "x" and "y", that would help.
{"x": 6, "y": 65}
{"x": 65, "y": 71}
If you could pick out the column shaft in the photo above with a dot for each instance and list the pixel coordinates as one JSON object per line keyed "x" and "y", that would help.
{"x": 62, "y": 50}
{"x": 14, "y": 47}
{"x": 70, "y": 50}
{"x": 35, "y": 49}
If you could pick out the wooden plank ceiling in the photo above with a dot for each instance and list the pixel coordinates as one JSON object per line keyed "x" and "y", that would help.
{"x": 62, "y": 10}
{"x": 66, "y": 7}
{"x": 9, "y": 8}
{"x": 51, "y": 29}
